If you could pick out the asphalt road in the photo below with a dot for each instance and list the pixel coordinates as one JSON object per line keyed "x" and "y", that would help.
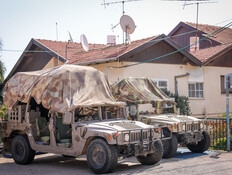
{"x": 183, "y": 163}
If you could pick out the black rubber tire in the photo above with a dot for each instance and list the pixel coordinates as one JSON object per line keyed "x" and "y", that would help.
{"x": 153, "y": 158}
{"x": 21, "y": 150}
{"x": 169, "y": 145}
{"x": 101, "y": 157}
{"x": 201, "y": 146}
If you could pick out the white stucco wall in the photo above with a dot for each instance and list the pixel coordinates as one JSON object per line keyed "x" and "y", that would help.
{"x": 213, "y": 102}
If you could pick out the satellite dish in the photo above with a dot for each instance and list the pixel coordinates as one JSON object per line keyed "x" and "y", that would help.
{"x": 127, "y": 24}
{"x": 84, "y": 43}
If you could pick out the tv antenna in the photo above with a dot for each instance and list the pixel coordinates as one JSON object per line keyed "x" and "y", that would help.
{"x": 66, "y": 46}
{"x": 123, "y": 11}
{"x": 197, "y": 3}
{"x": 116, "y": 2}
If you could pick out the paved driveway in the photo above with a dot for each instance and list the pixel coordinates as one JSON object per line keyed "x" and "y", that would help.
{"x": 183, "y": 163}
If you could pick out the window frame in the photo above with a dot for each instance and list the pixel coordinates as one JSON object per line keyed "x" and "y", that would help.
{"x": 199, "y": 90}
{"x": 157, "y": 80}
{"x": 222, "y": 83}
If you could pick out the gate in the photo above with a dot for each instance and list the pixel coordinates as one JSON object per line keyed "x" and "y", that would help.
{"x": 217, "y": 131}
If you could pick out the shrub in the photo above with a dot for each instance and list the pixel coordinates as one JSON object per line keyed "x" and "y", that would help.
{"x": 221, "y": 144}
{"x": 181, "y": 102}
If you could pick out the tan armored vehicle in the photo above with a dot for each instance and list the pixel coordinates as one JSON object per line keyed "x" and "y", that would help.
{"x": 70, "y": 110}
{"x": 146, "y": 102}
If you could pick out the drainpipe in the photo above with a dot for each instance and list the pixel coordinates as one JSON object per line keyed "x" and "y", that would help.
{"x": 176, "y": 83}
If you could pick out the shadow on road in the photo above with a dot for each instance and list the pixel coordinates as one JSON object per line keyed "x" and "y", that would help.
{"x": 50, "y": 163}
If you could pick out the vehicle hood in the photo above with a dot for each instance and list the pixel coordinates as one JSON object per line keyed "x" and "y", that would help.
{"x": 119, "y": 125}
{"x": 170, "y": 118}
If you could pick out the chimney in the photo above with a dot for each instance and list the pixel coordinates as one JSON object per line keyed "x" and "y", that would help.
{"x": 194, "y": 42}
{"x": 111, "y": 40}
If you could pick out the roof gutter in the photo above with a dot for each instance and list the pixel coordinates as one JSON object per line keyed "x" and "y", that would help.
{"x": 99, "y": 61}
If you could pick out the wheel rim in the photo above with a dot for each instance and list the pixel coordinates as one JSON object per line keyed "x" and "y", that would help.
{"x": 98, "y": 156}
{"x": 19, "y": 150}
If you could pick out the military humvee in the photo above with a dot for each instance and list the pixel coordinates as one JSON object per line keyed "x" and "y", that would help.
{"x": 70, "y": 110}
{"x": 146, "y": 102}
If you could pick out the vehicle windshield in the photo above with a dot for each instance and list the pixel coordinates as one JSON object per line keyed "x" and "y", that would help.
{"x": 99, "y": 113}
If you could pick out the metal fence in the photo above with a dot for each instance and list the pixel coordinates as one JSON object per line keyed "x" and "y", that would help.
{"x": 217, "y": 131}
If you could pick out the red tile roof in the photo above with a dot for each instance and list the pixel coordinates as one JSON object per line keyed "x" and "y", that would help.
{"x": 100, "y": 52}
{"x": 59, "y": 47}
{"x": 222, "y": 35}
{"x": 205, "y": 54}
{"x": 76, "y": 54}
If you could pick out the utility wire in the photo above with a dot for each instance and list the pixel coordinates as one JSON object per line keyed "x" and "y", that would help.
{"x": 183, "y": 48}
{"x": 207, "y": 36}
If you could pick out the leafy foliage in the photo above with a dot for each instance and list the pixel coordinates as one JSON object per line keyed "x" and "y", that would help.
{"x": 2, "y": 72}
{"x": 3, "y": 116}
{"x": 222, "y": 144}
{"x": 182, "y": 103}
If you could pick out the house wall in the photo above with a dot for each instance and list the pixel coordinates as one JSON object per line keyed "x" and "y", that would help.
{"x": 52, "y": 63}
{"x": 184, "y": 40}
{"x": 214, "y": 101}
{"x": 212, "y": 104}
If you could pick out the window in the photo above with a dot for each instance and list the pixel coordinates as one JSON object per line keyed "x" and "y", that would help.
{"x": 223, "y": 89}
{"x": 162, "y": 84}
{"x": 195, "y": 90}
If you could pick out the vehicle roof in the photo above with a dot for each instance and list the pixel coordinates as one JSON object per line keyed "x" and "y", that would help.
{"x": 61, "y": 89}
{"x": 139, "y": 90}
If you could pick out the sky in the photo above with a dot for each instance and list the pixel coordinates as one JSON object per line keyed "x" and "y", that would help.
{"x": 22, "y": 20}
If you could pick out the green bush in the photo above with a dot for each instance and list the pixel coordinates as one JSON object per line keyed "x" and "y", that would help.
{"x": 3, "y": 116}
{"x": 221, "y": 144}
{"x": 181, "y": 102}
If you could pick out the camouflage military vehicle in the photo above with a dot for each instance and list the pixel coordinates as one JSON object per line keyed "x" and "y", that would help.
{"x": 146, "y": 102}
{"x": 70, "y": 110}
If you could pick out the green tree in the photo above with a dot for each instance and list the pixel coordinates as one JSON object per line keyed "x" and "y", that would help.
{"x": 181, "y": 102}
{"x": 2, "y": 72}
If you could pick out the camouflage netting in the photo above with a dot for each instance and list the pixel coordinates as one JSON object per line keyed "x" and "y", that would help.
{"x": 61, "y": 88}
{"x": 139, "y": 91}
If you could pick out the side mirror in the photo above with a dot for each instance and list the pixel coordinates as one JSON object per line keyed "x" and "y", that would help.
{"x": 67, "y": 118}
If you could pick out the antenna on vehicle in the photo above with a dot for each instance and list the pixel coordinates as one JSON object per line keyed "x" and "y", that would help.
{"x": 128, "y": 26}
{"x": 84, "y": 43}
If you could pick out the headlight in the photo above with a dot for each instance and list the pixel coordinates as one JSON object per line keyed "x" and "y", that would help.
{"x": 126, "y": 137}
{"x": 183, "y": 127}
{"x": 201, "y": 125}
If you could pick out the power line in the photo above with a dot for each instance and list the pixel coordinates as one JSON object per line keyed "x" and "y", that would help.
{"x": 183, "y": 48}
{"x": 205, "y": 37}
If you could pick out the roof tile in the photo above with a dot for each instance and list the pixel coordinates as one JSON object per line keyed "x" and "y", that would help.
{"x": 223, "y": 36}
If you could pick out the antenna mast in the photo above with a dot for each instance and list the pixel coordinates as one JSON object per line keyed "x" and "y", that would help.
{"x": 116, "y": 2}
{"x": 123, "y": 12}
{"x": 197, "y": 3}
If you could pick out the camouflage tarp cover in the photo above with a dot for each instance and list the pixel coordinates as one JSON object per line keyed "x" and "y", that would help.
{"x": 139, "y": 90}
{"x": 61, "y": 88}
